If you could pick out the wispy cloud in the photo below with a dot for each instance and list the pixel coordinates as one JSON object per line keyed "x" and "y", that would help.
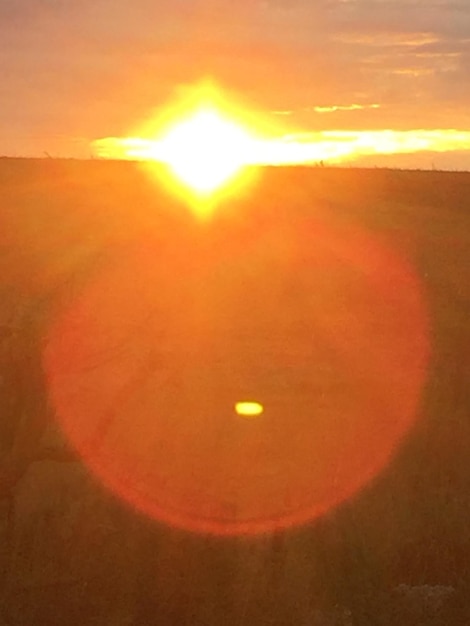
{"x": 384, "y": 39}
{"x": 413, "y": 71}
{"x": 344, "y": 107}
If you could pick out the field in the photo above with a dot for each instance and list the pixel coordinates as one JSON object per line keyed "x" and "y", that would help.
{"x": 346, "y": 290}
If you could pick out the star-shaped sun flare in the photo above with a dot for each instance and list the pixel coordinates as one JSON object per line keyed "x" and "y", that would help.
{"x": 205, "y": 150}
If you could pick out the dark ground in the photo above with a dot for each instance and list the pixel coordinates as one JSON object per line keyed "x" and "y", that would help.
{"x": 397, "y": 553}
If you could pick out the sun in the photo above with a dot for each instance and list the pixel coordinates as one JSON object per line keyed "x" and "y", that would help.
{"x": 204, "y": 145}
{"x": 204, "y": 151}
{"x": 207, "y": 144}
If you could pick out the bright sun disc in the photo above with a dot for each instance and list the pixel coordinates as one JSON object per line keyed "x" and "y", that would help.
{"x": 204, "y": 151}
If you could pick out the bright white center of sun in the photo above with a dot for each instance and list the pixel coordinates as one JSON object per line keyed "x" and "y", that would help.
{"x": 205, "y": 151}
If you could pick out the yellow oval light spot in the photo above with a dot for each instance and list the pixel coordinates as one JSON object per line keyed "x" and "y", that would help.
{"x": 249, "y": 409}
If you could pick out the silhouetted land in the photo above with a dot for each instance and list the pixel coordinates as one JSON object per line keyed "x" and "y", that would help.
{"x": 398, "y": 552}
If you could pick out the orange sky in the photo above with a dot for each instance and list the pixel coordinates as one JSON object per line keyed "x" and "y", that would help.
{"x": 76, "y": 72}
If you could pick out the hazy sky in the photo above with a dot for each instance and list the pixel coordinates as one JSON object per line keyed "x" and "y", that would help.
{"x": 76, "y": 70}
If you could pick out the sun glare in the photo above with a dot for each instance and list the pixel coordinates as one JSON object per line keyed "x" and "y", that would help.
{"x": 203, "y": 145}
{"x": 204, "y": 151}
{"x": 199, "y": 145}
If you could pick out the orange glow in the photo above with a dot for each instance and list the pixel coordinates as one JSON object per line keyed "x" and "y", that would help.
{"x": 205, "y": 140}
{"x": 202, "y": 141}
{"x": 143, "y": 370}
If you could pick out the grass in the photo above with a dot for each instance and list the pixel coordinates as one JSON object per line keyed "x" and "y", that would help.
{"x": 397, "y": 552}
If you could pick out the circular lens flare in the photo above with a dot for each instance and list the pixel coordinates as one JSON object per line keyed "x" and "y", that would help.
{"x": 145, "y": 366}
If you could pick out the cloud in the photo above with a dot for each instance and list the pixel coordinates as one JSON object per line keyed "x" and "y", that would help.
{"x": 98, "y": 67}
{"x": 309, "y": 147}
{"x": 386, "y": 39}
{"x": 344, "y": 107}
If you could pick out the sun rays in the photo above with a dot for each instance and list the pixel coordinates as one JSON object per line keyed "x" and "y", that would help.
{"x": 206, "y": 141}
